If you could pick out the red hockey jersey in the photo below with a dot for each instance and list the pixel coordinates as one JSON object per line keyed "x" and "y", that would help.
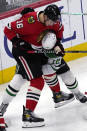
{"x": 28, "y": 27}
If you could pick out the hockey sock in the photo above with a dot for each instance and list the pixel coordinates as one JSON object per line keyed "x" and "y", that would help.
{"x": 33, "y": 93}
{"x": 73, "y": 87}
{"x": 2, "y": 121}
{"x": 13, "y": 88}
{"x": 52, "y": 82}
{"x": 70, "y": 81}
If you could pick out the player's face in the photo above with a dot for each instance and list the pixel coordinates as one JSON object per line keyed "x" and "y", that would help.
{"x": 48, "y": 22}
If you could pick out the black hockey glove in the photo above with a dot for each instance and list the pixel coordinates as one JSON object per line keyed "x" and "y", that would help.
{"x": 59, "y": 49}
{"x": 20, "y": 47}
{"x": 17, "y": 42}
{"x": 26, "y": 10}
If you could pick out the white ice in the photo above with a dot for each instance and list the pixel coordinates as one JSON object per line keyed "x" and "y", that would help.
{"x": 66, "y": 118}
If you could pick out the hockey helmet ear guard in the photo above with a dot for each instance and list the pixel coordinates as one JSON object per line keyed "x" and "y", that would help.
{"x": 52, "y": 12}
{"x": 49, "y": 41}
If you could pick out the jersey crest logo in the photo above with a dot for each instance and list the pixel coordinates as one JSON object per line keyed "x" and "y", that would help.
{"x": 31, "y": 20}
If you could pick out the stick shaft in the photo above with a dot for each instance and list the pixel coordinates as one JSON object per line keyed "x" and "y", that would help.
{"x": 75, "y": 51}
{"x": 68, "y": 51}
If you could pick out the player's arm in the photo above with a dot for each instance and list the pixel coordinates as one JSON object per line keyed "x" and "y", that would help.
{"x": 14, "y": 29}
{"x": 12, "y": 34}
{"x": 59, "y": 34}
{"x": 9, "y": 32}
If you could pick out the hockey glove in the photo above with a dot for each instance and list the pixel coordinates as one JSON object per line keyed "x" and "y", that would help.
{"x": 59, "y": 49}
{"x": 17, "y": 42}
{"x": 20, "y": 44}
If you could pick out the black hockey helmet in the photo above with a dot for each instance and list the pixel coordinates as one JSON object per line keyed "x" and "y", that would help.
{"x": 52, "y": 12}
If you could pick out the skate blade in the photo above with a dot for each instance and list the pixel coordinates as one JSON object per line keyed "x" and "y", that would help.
{"x": 63, "y": 103}
{"x": 32, "y": 124}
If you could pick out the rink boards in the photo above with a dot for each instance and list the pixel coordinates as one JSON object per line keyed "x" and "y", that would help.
{"x": 74, "y": 37}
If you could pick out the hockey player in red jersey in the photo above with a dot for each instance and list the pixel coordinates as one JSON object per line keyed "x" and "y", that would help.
{"x": 24, "y": 34}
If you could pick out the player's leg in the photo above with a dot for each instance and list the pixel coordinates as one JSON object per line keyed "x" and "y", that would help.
{"x": 13, "y": 88}
{"x": 72, "y": 84}
{"x": 60, "y": 98}
{"x": 34, "y": 74}
{"x": 32, "y": 98}
{"x": 10, "y": 92}
{"x": 70, "y": 81}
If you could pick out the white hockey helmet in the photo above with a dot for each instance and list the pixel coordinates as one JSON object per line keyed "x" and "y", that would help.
{"x": 49, "y": 41}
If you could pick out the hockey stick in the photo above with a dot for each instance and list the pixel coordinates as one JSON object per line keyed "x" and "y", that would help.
{"x": 75, "y": 51}
{"x": 68, "y": 51}
{"x": 66, "y": 13}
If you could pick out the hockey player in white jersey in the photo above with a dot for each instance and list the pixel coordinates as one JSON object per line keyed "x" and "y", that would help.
{"x": 57, "y": 64}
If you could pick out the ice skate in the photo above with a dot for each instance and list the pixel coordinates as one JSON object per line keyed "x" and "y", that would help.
{"x": 62, "y": 98}
{"x": 31, "y": 120}
{"x": 81, "y": 97}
